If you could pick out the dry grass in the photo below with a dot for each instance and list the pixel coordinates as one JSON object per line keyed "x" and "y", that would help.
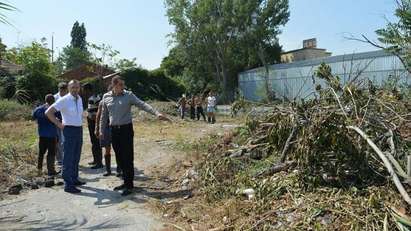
{"x": 17, "y": 151}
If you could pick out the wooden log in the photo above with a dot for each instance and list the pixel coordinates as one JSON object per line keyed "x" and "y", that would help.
{"x": 287, "y": 144}
{"x": 277, "y": 168}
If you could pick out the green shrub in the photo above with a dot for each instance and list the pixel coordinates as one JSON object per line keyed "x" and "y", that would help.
{"x": 36, "y": 85}
{"x": 12, "y": 110}
{"x": 152, "y": 85}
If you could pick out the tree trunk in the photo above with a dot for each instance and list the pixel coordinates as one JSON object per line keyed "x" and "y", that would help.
{"x": 266, "y": 74}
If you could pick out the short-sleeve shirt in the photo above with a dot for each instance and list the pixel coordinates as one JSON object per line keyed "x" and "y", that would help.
{"x": 71, "y": 110}
{"x": 45, "y": 127}
{"x": 211, "y": 101}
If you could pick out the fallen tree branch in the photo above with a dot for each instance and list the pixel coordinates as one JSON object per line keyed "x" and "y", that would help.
{"x": 386, "y": 162}
{"x": 277, "y": 168}
{"x": 287, "y": 144}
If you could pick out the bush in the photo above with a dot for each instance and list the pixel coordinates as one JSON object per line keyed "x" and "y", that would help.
{"x": 152, "y": 85}
{"x": 12, "y": 110}
{"x": 36, "y": 85}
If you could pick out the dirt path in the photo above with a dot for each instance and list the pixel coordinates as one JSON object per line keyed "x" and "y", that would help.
{"x": 98, "y": 206}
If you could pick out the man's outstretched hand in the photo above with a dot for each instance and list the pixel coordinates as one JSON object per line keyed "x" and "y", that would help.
{"x": 164, "y": 117}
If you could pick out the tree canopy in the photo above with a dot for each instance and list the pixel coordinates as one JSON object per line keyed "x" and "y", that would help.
{"x": 217, "y": 39}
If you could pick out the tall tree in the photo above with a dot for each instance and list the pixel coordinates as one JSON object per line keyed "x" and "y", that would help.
{"x": 76, "y": 53}
{"x": 222, "y": 35}
{"x": 78, "y": 36}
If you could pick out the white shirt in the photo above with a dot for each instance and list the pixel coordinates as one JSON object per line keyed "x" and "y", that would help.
{"x": 211, "y": 101}
{"x": 71, "y": 112}
{"x": 57, "y": 96}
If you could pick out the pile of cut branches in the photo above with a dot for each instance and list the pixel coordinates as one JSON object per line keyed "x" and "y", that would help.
{"x": 335, "y": 161}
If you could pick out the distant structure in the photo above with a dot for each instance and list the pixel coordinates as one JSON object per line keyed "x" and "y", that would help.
{"x": 10, "y": 68}
{"x": 295, "y": 80}
{"x": 309, "y": 51}
{"x": 86, "y": 71}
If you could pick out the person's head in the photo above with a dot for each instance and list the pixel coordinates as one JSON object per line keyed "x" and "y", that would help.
{"x": 74, "y": 87}
{"x": 210, "y": 93}
{"x": 49, "y": 98}
{"x": 62, "y": 88}
{"x": 118, "y": 84}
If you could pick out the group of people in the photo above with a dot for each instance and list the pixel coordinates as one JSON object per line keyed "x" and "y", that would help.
{"x": 196, "y": 104}
{"x": 109, "y": 119}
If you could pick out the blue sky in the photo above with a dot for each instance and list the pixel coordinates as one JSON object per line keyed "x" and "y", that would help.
{"x": 139, "y": 28}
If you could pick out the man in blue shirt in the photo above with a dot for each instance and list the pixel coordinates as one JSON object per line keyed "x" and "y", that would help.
{"x": 47, "y": 136}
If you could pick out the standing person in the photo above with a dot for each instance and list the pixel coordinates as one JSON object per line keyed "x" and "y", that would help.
{"x": 47, "y": 132}
{"x": 199, "y": 107}
{"x": 117, "y": 111}
{"x": 71, "y": 108}
{"x": 211, "y": 104}
{"x": 105, "y": 142}
{"x": 192, "y": 103}
{"x": 182, "y": 102}
{"x": 62, "y": 91}
{"x": 92, "y": 106}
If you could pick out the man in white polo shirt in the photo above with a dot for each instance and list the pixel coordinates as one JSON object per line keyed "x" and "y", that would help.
{"x": 71, "y": 108}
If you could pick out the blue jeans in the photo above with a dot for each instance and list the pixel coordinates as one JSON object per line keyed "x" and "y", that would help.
{"x": 60, "y": 147}
{"x": 73, "y": 140}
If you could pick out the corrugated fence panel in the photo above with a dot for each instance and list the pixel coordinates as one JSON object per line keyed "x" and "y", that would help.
{"x": 296, "y": 80}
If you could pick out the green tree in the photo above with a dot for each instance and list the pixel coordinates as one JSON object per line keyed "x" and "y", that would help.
{"x": 218, "y": 37}
{"x": 78, "y": 36}
{"x": 38, "y": 79}
{"x": 76, "y": 53}
{"x": 3, "y": 50}
{"x": 126, "y": 64}
{"x": 396, "y": 36}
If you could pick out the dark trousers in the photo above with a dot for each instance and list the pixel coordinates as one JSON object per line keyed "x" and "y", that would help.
{"x": 123, "y": 145}
{"x": 47, "y": 144}
{"x": 192, "y": 112}
{"x": 182, "y": 112}
{"x": 200, "y": 111}
{"x": 95, "y": 143}
{"x": 73, "y": 141}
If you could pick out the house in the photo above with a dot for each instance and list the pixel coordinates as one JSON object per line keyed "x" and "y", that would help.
{"x": 10, "y": 68}
{"x": 86, "y": 71}
{"x": 309, "y": 51}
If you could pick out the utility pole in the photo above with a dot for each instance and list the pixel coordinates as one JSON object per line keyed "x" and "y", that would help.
{"x": 52, "y": 47}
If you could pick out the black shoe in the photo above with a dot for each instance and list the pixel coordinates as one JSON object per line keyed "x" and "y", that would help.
{"x": 120, "y": 187}
{"x": 92, "y": 163}
{"x": 79, "y": 183}
{"x": 119, "y": 174}
{"x": 126, "y": 192}
{"x": 97, "y": 166}
{"x": 72, "y": 190}
{"x": 107, "y": 174}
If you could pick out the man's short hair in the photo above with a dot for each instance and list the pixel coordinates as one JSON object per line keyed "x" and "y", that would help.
{"x": 116, "y": 80}
{"x": 62, "y": 86}
{"x": 49, "y": 98}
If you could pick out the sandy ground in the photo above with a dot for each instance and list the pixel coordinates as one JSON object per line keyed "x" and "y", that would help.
{"x": 98, "y": 206}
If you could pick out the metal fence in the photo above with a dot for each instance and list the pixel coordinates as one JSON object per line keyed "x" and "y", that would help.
{"x": 296, "y": 80}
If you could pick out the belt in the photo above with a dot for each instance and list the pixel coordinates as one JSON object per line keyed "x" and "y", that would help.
{"x": 120, "y": 126}
{"x": 70, "y": 126}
